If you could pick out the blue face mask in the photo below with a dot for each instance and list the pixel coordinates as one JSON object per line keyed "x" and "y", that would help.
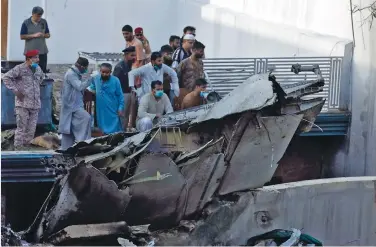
{"x": 34, "y": 65}
{"x": 84, "y": 71}
{"x": 158, "y": 93}
{"x": 157, "y": 67}
{"x": 203, "y": 94}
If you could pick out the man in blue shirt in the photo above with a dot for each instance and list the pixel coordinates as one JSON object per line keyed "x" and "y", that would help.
{"x": 35, "y": 31}
{"x": 109, "y": 100}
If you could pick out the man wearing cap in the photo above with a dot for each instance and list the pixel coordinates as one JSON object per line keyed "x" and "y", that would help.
{"x": 121, "y": 71}
{"x": 35, "y": 31}
{"x": 184, "y": 51}
{"x": 139, "y": 33}
{"x": 24, "y": 81}
{"x": 75, "y": 121}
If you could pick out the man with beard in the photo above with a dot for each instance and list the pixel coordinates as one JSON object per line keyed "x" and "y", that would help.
{"x": 189, "y": 70}
{"x": 152, "y": 106}
{"x": 174, "y": 42}
{"x": 153, "y": 71}
{"x": 133, "y": 41}
{"x": 109, "y": 100}
{"x": 184, "y": 51}
{"x": 166, "y": 52}
{"x": 121, "y": 71}
{"x": 75, "y": 121}
{"x": 139, "y": 33}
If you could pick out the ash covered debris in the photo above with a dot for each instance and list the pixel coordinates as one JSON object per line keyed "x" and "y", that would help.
{"x": 183, "y": 179}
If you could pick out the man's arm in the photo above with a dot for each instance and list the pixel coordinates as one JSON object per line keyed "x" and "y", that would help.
{"x": 24, "y": 33}
{"x": 167, "y": 104}
{"x": 174, "y": 79}
{"x": 135, "y": 72}
{"x": 47, "y": 32}
{"x": 175, "y": 58}
{"x": 143, "y": 108}
{"x": 9, "y": 79}
{"x": 77, "y": 83}
{"x": 139, "y": 55}
{"x": 119, "y": 94}
{"x": 92, "y": 87}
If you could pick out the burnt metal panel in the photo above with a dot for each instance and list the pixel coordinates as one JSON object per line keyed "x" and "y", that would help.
{"x": 19, "y": 167}
{"x": 256, "y": 156}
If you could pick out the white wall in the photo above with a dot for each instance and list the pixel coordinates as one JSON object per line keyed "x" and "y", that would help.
{"x": 248, "y": 30}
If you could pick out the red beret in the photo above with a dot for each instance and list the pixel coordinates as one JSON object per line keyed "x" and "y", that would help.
{"x": 32, "y": 53}
{"x": 138, "y": 30}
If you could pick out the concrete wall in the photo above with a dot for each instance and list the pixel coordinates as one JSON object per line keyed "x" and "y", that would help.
{"x": 95, "y": 25}
{"x": 338, "y": 212}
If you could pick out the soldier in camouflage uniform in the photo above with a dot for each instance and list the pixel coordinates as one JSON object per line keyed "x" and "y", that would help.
{"x": 24, "y": 81}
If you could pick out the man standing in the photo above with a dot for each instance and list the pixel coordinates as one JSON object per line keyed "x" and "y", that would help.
{"x": 196, "y": 97}
{"x": 184, "y": 51}
{"x": 121, "y": 71}
{"x": 139, "y": 33}
{"x": 189, "y": 70}
{"x": 75, "y": 122}
{"x": 192, "y": 68}
{"x": 24, "y": 81}
{"x": 153, "y": 71}
{"x": 109, "y": 100}
{"x": 174, "y": 42}
{"x": 152, "y": 106}
{"x": 35, "y": 31}
{"x": 133, "y": 41}
{"x": 166, "y": 52}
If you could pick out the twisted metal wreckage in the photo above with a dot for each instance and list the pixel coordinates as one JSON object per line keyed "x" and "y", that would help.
{"x": 184, "y": 182}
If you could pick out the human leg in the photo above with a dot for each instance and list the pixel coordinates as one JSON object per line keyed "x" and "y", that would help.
{"x": 22, "y": 117}
{"x": 81, "y": 125}
{"x": 144, "y": 124}
{"x": 67, "y": 140}
{"x": 43, "y": 62}
{"x": 31, "y": 125}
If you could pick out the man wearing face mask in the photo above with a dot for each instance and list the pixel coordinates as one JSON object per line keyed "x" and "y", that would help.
{"x": 24, "y": 81}
{"x": 121, "y": 71}
{"x": 153, "y": 71}
{"x": 184, "y": 51}
{"x": 75, "y": 121}
{"x": 109, "y": 100}
{"x": 197, "y": 96}
{"x": 152, "y": 106}
{"x": 189, "y": 70}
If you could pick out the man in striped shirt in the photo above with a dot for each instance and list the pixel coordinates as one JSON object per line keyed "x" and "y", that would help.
{"x": 184, "y": 51}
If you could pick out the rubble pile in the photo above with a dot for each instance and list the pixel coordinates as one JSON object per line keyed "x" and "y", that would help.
{"x": 185, "y": 182}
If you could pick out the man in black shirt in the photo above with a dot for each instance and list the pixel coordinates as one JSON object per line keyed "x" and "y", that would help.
{"x": 121, "y": 71}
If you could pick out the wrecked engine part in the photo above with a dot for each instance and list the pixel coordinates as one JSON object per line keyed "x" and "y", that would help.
{"x": 189, "y": 167}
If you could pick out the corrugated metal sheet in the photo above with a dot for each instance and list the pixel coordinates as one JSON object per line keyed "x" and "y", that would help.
{"x": 227, "y": 73}
{"x": 24, "y": 167}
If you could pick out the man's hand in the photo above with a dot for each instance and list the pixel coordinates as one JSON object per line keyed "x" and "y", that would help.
{"x": 19, "y": 95}
{"x": 120, "y": 113}
{"x": 37, "y": 35}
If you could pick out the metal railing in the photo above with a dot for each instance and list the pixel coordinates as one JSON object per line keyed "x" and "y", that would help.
{"x": 227, "y": 73}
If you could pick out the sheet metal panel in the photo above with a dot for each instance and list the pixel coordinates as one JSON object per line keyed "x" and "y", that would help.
{"x": 227, "y": 73}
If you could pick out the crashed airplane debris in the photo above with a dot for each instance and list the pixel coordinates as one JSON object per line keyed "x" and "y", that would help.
{"x": 180, "y": 175}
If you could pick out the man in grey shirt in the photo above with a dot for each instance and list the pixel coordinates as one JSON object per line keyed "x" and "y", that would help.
{"x": 35, "y": 31}
{"x": 152, "y": 106}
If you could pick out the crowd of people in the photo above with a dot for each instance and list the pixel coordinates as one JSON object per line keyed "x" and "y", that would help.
{"x": 138, "y": 91}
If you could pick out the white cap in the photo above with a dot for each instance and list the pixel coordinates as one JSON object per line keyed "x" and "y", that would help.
{"x": 189, "y": 37}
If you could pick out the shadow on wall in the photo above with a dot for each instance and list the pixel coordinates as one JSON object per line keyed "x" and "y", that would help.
{"x": 309, "y": 158}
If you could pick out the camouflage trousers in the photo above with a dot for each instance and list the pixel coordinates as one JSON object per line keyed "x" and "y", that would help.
{"x": 26, "y": 120}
